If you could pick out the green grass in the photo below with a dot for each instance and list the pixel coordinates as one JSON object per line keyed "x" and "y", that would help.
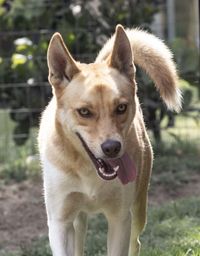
{"x": 187, "y": 127}
{"x": 173, "y": 229}
{"x": 175, "y": 164}
{"x": 13, "y": 164}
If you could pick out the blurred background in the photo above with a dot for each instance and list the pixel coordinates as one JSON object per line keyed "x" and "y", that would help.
{"x": 25, "y": 30}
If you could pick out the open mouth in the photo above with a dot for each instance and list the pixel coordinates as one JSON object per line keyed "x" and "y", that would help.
{"x": 104, "y": 169}
{"x": 123, "y": 167}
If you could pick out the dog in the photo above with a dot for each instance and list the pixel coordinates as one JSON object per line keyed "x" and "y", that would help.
{"x": 95, "y": 152}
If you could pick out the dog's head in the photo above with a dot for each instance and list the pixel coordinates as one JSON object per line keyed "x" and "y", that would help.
{"x": 95, "y": 101}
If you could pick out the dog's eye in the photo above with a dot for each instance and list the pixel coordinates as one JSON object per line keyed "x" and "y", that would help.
{"x": 84, "y": 112}
{"x": 121, "y": 108}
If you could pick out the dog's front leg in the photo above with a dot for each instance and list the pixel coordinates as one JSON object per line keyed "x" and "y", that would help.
{"x": 61, "y": 212}
{"x": 119, "y": 230}
{"x": 61, "y": 237}
{"x": 80, "y": 226}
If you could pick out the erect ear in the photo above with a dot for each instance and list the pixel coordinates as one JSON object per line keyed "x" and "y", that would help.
{"x": 62, "y": 67}
{"x": 122, "y": 56}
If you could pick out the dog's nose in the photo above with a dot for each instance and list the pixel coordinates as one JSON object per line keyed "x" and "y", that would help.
{"x": 111, "y": 148}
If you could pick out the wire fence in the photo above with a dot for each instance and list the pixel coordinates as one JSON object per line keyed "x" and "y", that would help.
{"x": 19, "y": 141}
{"x": 17, "y": 144}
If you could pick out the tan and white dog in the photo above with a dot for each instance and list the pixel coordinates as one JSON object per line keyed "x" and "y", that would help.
{"x": 94, "y": 148}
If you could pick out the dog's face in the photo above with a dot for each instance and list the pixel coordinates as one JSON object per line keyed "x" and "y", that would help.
{"x": 99, "y": 105}
{"x": 96, "y": 101}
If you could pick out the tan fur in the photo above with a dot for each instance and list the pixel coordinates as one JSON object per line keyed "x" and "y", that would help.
{"x": 71, "y": 185}
{"x": 151, "y": 54}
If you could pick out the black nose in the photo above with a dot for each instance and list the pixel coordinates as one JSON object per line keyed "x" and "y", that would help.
{"x": 111, "y": 148}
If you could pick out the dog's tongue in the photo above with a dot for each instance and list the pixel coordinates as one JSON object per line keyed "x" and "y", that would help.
{"x": 126, "y": 170}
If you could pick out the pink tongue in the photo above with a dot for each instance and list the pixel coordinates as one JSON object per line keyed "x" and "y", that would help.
{"x": 126, "y": 171}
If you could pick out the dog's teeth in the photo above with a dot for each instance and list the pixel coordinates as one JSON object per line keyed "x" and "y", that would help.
{"x": 116, "y": 168}
{"x": 102, "y": 171}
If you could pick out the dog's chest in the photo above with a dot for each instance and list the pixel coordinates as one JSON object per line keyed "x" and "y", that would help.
{"x": 97, "y": 194}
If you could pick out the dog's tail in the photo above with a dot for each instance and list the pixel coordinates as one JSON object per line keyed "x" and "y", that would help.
{"x": 152, "y": 55}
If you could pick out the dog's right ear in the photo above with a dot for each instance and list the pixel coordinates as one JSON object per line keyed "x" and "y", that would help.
{"x": 62, "y": 67}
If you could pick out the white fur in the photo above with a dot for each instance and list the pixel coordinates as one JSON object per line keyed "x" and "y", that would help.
{"x": 58, "y": 186}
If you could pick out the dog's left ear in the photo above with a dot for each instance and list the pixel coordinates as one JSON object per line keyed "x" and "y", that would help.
{"x": 122, "y": 56}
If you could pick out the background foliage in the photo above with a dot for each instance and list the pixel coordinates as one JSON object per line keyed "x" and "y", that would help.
{"x": 25, "y": 30}
{"x": 85, "y": 25}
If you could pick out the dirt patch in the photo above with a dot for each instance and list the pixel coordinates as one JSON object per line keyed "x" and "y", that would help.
{"x": 161, "y": 194}
{"x": 23, "y": 217}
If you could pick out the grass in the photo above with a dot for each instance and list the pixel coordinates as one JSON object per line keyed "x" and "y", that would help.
{"x": 17, "y": 167}
{"x": 13, "y": 159}
{"x": 173, "y": 229}
{"x": 186, "y": 127}
{"x": 175, "y": 163}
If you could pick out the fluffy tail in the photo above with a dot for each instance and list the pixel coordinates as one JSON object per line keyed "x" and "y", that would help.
{"x": 152, "y": 55}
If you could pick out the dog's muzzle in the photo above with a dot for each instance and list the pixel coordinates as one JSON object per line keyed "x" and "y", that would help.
{"x": 122, "y": 167}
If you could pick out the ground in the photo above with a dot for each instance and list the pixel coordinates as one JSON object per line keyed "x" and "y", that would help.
{"x": 22, "y": 214}
{"x": 23, "y": 217}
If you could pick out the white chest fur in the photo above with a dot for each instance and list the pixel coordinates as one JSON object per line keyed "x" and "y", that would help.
{"x": 90, "y": 193}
